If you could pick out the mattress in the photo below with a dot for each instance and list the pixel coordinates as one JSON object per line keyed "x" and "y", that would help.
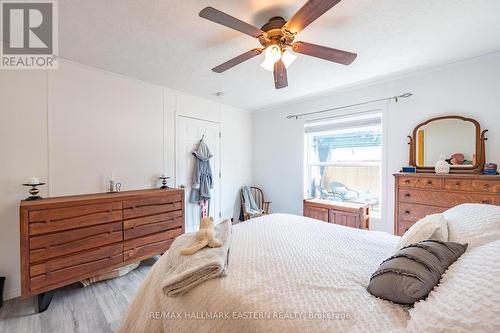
{"x": 286, "y": 274}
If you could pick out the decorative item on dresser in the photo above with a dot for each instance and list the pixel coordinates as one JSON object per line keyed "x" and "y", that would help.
{"x": 34, "y": 183}
{"x": 418, "y": 195}
{"x": 353, "y": 215}
{"x": 67, "y": 239}
{"x": 164, "y": 180}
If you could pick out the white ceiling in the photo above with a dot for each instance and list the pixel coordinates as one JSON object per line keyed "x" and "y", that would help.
{"x": 167, "y": 43}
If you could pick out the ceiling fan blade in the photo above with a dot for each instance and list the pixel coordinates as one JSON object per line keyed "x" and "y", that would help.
{"x": 280, "y": 77}
{"x": 323, "y": 52}
{"x": 229, "y": 21}
{"x": 237, "y": 60}
{"x": 308, "y": 14}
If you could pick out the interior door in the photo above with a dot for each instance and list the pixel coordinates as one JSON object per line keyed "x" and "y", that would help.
{"x": 189, "y": 132}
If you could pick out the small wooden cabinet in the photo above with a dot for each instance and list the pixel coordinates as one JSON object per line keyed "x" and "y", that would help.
{"x": 343, "y": 213}
{"x": 67, "y": 239}
{"x": 421, "y": 194}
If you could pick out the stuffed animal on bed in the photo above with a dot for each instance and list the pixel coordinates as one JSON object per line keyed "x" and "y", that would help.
{"x": 204, "y": 237}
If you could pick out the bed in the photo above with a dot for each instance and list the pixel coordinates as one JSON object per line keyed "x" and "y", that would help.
{"x": 286, "y": 274}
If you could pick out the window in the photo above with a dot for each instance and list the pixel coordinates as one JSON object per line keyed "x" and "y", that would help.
{"x": 344, "y": 159}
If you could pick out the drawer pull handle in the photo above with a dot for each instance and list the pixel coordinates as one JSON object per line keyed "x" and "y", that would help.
{"x": 407, "y": 212}
{"x": 407, "y": 181}
{"x": 429, "y": 183}
{"x": 486, "y": 201}
{"x": 485, "y": 186}
{"x": 407, "y": 195}
{"x": 457, "y": 184}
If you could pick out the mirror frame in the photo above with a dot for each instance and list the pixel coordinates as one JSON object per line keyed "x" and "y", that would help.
{"x": 480, "y": 151}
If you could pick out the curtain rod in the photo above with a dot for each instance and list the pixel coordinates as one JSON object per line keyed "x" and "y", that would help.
{"x": 395, "y": 98}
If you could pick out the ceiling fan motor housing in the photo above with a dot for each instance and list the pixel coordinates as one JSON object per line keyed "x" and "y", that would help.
{"x": 275, "y": 34}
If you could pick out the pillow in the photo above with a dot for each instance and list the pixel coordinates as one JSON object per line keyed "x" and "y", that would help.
{"x": 467, "y": 298}
{"x": 476, "y": 224}
{"x": 430, "y": 227}
{"x": 410, "y": 274}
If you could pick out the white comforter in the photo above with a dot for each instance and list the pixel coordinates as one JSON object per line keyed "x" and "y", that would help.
{"x": 286, "y": 274}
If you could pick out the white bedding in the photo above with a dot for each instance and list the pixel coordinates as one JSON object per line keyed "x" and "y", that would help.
{"x": 282, "y": 268}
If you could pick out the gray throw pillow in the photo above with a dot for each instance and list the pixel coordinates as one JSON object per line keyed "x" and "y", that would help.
{"x": 410, "y": 274}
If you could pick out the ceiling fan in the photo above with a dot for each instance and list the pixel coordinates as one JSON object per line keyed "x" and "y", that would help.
{"x": 277, "y": 36}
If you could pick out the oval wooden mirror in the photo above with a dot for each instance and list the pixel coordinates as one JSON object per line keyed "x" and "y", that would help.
{"x": 457, "y": 140}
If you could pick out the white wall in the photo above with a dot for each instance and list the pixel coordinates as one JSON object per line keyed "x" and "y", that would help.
{"x": 468, "y": 88}
{"x": 23, "y": 153}
{"x": 75, "y": 125}
{"x": 236, "y": 166}
{"x": 101, "y": 123}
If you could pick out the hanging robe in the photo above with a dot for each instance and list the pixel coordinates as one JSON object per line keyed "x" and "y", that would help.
{"x": 202, "y": 181}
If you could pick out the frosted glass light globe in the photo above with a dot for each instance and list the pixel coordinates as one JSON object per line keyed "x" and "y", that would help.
{"x": 288, "y": 57}
{"x": 267, "y": 65}
{"x": 272, "y": 53}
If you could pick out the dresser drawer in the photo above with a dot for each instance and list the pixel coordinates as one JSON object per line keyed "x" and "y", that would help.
{"x": 472, "y": 185}
{"x": 149, "y": 245}
{"x": 152, "y": 224}
{"x": 148, "y": 250}
{"x": 421, "y": 182}
{"x": 403, "y": 227}
{"x": 444, "y": 199}
{"x": 57, "y": 219}
{"x": 414, "y": 212}
{"x": 73, "y": 266}
{"x": 140, "y": 221}
{"x": 151, "y": 206}
{"x": 66, "y": 242}
{"x": 152, "y": 201}
{"x": 161, "y": 236}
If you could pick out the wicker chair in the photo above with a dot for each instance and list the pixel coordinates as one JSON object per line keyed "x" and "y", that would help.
{"x": 258, "y": 196}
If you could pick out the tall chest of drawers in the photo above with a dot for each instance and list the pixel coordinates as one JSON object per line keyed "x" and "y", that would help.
{"x": 421, "y": 194}
{"x": 67, "y": 239}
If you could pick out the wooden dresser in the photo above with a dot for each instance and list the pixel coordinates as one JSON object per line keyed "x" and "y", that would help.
{"x": 343, "y": 213}
{"x": 421, "y": 194}
{"x": 68, "y": 239}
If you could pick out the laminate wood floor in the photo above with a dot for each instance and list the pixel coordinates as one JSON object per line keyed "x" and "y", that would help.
{"x": 94, "y": 309}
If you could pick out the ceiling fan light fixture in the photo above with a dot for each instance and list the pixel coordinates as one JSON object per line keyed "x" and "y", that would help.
{"x": 277, "y": 38}
{"x": 272, "y": 53}
{"x": 288, "y": 58}
{"x": 267, "y": 65}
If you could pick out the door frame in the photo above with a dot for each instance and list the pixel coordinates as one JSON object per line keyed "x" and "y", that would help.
{"x": 176, "y": 156}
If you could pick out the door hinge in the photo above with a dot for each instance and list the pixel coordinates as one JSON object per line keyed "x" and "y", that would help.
{"x": 220, "y": 214}
{"x": 220, "y": 174}
{"x": 220, "y": 135}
